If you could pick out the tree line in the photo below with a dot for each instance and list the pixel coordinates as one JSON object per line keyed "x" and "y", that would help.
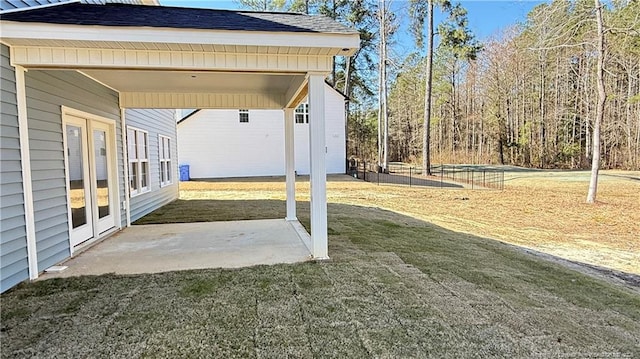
{"x": 530, "y": 96}
{"x": 559, "y": 90}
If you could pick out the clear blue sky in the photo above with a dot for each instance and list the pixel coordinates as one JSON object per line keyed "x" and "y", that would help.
{"x": 485, "y": 17}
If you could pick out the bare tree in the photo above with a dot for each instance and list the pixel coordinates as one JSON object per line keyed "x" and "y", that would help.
{"x": 602, "y": 98}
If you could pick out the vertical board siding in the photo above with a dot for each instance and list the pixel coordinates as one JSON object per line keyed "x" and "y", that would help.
{"x": 46, "y": 92}
{"x": 156, "y": 122}
{"x": 215, "y": 144}
{"x": 14, "y": 264}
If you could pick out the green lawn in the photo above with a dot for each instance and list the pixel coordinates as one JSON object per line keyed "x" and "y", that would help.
{"x": 395, "y": 287}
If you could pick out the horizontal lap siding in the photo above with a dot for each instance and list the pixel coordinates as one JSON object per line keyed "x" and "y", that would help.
{"x": 214, "y": 143}
{"x": 156, "y": 122}
{"x": 14, "y": 265}
{"x": 47, "y": 91}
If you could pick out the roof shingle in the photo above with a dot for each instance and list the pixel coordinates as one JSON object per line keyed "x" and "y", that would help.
{"x": 178, "y": 17}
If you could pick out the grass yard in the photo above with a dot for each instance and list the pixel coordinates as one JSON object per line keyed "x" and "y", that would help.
{"x": 540, "y": 210}
{"x": 397, "y": 285}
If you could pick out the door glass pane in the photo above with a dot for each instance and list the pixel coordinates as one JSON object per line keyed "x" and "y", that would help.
{"x": 102, "y": 175}
{"x": 76, "y": 176}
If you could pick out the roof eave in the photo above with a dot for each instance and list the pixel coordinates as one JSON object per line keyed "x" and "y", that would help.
{"x": 343, "y": 44}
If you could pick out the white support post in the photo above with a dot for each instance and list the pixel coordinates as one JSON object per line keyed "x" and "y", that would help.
{"x": 290, "y": 163}
{"x": 25, "y": 160}
{"x": 317, "y": 154}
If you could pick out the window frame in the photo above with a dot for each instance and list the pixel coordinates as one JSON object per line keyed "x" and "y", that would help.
{"x": 138, "y": 161}
{"x": 166, "y": 171}
{"x": 241, "y": 114}
{"x": 304, "y": 113}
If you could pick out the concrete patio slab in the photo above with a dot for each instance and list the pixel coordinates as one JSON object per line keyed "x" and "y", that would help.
{"x": 179, "y": 246}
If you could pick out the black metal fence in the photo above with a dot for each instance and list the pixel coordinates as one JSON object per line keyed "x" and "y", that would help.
{"x": 443, "y": 176}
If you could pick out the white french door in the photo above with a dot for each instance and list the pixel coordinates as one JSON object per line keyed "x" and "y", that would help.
{"x": 90, "y": 180}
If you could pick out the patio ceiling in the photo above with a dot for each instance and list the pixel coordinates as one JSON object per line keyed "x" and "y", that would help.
{"x": 202, "y": 89}
{"x": 163, "y": 57}
{"x": 191, "y": 81}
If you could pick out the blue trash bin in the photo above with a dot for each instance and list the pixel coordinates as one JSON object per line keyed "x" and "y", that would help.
{"x": 184, "y": 173}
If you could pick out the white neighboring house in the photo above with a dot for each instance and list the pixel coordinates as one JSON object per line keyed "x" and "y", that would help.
{"x": 245, "y": 143}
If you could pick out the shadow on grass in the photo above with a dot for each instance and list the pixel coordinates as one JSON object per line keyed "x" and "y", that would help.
{"x": 185, "y": 211}
{"x": 395, "y": 287}
{"x": 273, "y": 179}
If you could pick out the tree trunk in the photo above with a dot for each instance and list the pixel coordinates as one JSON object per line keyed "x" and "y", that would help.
{"x": 426, "y": 154}
{"x": 602, "y": 97}
{"x": 383, "y": 112}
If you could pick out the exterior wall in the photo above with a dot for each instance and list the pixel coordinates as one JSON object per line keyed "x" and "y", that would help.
{"x": 46, "y": 92}
{"x": 14, "y": 266}
{"x": 156, "y": 122}
{"x": 215, "y": 144}
{"x": 335, "y": 136}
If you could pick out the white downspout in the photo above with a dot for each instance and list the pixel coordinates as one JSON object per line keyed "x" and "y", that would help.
{"x": 125, "y": 155}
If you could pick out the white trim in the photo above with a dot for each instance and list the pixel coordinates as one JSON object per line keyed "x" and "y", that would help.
{"x": 25, "y": 161}
{"x": 140, "y": 190}
{"x": 114, "y": 200}
{"x": 98, "y": 81}
{"x": 298, "y": 89}
{"x": 168, "y": 161}
{"x": 332, "y": 43}
{"x": 37, "y": 6}
{"x": 66, "y": 183}
{"x": 125, "y": 163}
{"x": 87, "y": 115}
{"x": 176, "y": 171}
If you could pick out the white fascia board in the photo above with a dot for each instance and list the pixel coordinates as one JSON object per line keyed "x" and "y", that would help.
{"x": 296, "y": 92}
{"x": 20, "y": 30}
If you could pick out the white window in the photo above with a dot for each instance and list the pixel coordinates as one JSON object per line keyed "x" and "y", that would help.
{"x": 164, "y": 146}
{"x": 138, "y": 147}
{"x": 302, "y": 113}
{"x": 243, "y": 115}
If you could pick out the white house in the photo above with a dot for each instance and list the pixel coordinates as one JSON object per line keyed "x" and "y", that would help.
{"x": 87, "y": 143}
{"x": 240, "y": 143}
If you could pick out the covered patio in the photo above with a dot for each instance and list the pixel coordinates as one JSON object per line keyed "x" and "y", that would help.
{"x": 158, "y": 248}
{"x": 157, "y": 57}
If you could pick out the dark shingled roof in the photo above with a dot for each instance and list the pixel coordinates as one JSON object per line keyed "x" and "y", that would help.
{"x": 177, "y": 17}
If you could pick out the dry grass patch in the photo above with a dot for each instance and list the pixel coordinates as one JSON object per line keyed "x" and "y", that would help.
{"x": 541, "y": 210}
